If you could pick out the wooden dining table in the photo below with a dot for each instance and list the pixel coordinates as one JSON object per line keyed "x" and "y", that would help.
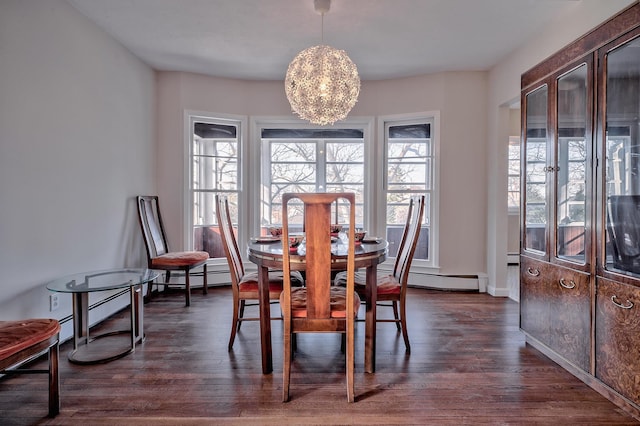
{"x": 266, "y": 252}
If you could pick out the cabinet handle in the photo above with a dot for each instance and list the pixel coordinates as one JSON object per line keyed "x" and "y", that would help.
{"x": 571, "y": 284}
{"x": 533, "y": 272}
{"x": 629, "y": 304}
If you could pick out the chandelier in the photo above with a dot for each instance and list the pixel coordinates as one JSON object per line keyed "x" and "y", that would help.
{"x": 322, "y": 83}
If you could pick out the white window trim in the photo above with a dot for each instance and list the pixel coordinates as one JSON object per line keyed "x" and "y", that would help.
{"x": 189, "y": 117}
{"x": 418, "y": 265}
{"x": 514, "y": 210}
{"x": 258, "y": 123}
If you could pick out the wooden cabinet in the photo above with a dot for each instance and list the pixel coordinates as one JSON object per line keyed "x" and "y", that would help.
{"x": 580, "y": 199}
{"x": 617, "y": 337}
{"x": 555, "y": 306}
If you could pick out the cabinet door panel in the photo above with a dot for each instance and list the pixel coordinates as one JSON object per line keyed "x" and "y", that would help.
{"x": 535, "y": 171}
{"x": 622, "y": 157}
{"x": 555, "y": 306}
{"x": 535, "y": 304}
{"x": 618, "y": 337}
{"x": 572, "y": 150}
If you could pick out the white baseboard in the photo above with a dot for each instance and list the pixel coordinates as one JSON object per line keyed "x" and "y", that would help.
{"x": 443, "y": 282}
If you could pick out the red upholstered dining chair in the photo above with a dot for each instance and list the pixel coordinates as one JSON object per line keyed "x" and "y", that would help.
{"x": 392, "y": 288}
{"x": 244, "y": 285}
{"x": 319, "y": 306}
{"x": 25, "y": 340}
{"x": 158, "y": 254}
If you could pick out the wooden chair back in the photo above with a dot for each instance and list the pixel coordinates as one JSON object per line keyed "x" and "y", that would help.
{"x": 155, "y": 239}
{"x": 229, "y": 241}
{"x": 409, "y": 240}
{"x": 326, "y": 309}
{"x": 317, "y": 258}
{"x": 158, "y": 254}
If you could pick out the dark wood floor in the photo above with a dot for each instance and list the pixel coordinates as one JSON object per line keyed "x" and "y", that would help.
{"x": 469, "y": 365}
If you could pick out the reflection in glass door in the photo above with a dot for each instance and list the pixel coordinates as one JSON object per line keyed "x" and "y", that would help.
{"x": 535, "y": 169}
{"x": 622, "y": 175}
{"x": 571, "y": 169}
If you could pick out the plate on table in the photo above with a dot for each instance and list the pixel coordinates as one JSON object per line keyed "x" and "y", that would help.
{"x": 265, "y": 239}
{"x": 371, "y": 240}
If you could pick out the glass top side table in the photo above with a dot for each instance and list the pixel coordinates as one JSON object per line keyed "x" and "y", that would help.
{"x": 80, "y": 285}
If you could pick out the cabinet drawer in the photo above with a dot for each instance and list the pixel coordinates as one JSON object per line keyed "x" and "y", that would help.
{"x": 618, "y": 337}
{"x": 555, "y": 309}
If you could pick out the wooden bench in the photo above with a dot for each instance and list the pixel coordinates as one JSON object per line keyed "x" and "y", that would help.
{"x": 24, "y": 341}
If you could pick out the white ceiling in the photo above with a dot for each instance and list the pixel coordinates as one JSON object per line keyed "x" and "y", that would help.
{"x": 256, "y": 39}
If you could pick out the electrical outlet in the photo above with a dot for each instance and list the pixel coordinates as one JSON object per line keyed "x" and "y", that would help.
{"x": 54, "y": 302}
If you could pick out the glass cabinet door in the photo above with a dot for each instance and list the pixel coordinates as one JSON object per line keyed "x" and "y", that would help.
{"x": 535, "y": 171}
{"x": 622, "y": 158}
{"x": 571, "y": 166}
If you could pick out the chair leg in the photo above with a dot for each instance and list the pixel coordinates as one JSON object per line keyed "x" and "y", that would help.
{"x": 350, "y": 358}
{"x": 205, "y": 288}
{"x": 235, "y": 323}
{"x": 54, "y": 381}
{"x": 395, "y": 314}
{"x": 188, "y": 289}
{"x": 286, "y": 368}
{"x": 240, "y": 314}
{"x": 403, "y": 323}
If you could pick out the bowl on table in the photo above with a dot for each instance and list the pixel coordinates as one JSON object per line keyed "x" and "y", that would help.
{"x": 359, "y": 236}
{"x": 275, "y": 231}
{"x": 335, "y": 229}
{"x": 295, "y": 239}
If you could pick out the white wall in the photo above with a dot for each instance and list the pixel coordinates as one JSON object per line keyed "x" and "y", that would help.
{"x": 504, "y": 88}
{"x": 77, "y": 129}
{"x": 459, "y": 96}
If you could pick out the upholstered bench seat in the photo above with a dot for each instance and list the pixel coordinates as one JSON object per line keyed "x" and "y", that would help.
{"x": 23, "y": 341}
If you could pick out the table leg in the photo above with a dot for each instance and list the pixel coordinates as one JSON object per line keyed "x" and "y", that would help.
{"x": 80, "y": 319}
{"x": 265, "y": 320}
{"x": 370, "y": 320}
{"x": 137, "y": 315}
{"x": 85, "y": 349}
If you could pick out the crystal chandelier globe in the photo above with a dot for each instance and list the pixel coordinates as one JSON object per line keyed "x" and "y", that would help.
{"x": 322, "y": 83}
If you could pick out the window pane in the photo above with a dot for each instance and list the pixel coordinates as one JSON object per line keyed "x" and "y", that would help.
{"x": 513, "y": 166}
{"x": 408, "y": 150}
{"x": 407, "y": 174}
{"x": 345, "y": 173}
{"x": 513, "y": 198}
{"x": 215, "y": 165}
{"x": 513, "y": 184}
{"x": 293, "y": 152}
{"x": 397, "y": 205}
{"x": 345, "y": 152}
{"x": 357, "y": 189}
{"x": 290, "y": 172}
